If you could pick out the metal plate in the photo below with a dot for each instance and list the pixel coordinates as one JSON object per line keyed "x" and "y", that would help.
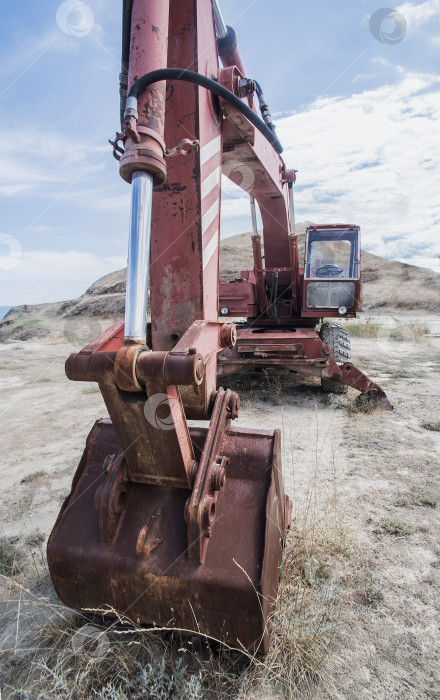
{"x": 222, "y": 597}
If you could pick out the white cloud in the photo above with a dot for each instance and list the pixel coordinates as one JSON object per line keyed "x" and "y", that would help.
{"x": 417, "y": 15}
{"x": 36, "y": 160}
{"x": 424, "y": 261}
{"x": 373, "y": 159}
{"x": 38, "y": 276}
{"x": 386, "y": 63}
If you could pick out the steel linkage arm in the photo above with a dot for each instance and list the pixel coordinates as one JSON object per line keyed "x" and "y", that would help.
{"x": 211, "y": 476}
{"x": 142, "y": 392}
{"x": 352, "y": 376}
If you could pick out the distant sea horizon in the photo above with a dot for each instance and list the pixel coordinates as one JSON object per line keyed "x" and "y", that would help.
{"x": 4, "y": 310}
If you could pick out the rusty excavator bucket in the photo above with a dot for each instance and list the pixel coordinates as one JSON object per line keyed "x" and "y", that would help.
{"x": 179, "y": 537}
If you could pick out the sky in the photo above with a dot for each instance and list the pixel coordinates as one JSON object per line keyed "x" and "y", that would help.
{"x": 354, "y": 88}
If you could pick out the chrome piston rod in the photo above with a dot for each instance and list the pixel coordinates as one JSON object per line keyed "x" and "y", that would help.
{"x": 220, "y": 26}
{"x": 253, "y": 216}
{"x": 138, "y": 261}
{"x": 291, "y": 209}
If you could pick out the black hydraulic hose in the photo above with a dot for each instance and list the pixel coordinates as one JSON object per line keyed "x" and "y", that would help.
{"x": 198, "y": 79}
{"x": 264, "y": 107}
{"x": 126, "y": 32}
{"x": 127, "y": 6}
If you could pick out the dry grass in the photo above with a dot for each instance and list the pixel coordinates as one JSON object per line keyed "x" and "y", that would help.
{"x": 266, "y": 386}
{"x": 115, "y": 662}
{"x": 35, "y": 539}
{"x": 363, "y": 403}
{"x": 312, "y": 600}
{"x": 368, "y": 589}
{"x": 432, "y": 425}
{"x": 9, "y": 557}
{"x": 361, "y": 329}
{"x": 307, "y": 616}
{"x": 159, "y": 664}
{"x": 31, "y": 477}
{"x": 149, "y": 663}
{"x": 411, "y": 330}
{"x": 398, "y": 527}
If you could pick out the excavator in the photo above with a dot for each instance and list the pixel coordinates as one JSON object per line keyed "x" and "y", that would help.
{"x": 177, "y": 517}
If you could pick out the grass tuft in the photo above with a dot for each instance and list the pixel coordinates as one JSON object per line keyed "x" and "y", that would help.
{"x": 304, "y": 624}
{"x": 363, "y": 404}
{"x": 365, "y": 329}
{"x": 369, "y": 591}
{"x": 398, "y": 527}
{"x": 35, "y": 539}
{"x": 31, "y": 322}
{"x": 410, "y": 331}
{"x": 405, "y": 374}
{"x": 428, "y": 501}
{"x": 31, "y": 477}
{"x": 9, "y": 558}
{"x": 432, "y": 425}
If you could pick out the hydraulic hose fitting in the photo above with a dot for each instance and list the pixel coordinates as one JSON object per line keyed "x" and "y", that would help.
{"x": 131, "y": 108}
{"x": 146, "y": 24}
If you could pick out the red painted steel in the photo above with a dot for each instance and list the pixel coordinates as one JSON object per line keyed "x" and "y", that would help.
{"x": 144, "y": 148}
{"x": 186, "y": 208}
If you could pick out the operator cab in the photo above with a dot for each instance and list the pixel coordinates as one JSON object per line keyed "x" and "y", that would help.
{"x": 332, "y": 268}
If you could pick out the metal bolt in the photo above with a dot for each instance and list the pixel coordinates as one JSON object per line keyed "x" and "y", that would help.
{"x": 218, "y": 476}
{"x": 200, "y": 371}
{"x": 234, "y": 405}
{"x": 228, "y": 335}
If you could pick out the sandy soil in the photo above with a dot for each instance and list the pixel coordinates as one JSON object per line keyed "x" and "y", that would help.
{"x": 379, "y": 467}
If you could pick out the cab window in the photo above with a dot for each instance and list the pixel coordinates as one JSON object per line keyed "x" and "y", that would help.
{"x": 332, "y": 255}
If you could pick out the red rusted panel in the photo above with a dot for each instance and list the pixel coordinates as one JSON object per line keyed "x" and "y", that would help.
{"x": 110, "y": 340}
{"x": 239, "y": 298}
{"x": 186, "y": 209}
{"x": 258, "y": 170}
{"x": 148, "y": 51}
{"x": 160, "y": 585}
{"x": 352, "y": 376}
{"x": 298, "y": 349}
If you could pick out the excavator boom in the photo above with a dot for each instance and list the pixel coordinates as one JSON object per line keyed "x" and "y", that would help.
{"x": 169, "y": 524}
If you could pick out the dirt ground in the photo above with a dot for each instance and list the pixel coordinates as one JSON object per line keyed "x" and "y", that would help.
{"x": 380, "y": 471}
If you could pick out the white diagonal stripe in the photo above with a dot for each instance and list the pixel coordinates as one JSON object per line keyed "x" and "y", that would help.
{"x": 210, "y": 182}
{"x": 209, "y": 216}
{"x": 210, "y": 149}
{"x": 210, "y": 249}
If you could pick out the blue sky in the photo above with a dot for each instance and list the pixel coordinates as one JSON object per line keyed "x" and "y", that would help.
{"x": 359, "y": 117}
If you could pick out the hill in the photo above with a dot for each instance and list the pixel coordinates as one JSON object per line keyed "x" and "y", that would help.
{"x": 388, "y": 287}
